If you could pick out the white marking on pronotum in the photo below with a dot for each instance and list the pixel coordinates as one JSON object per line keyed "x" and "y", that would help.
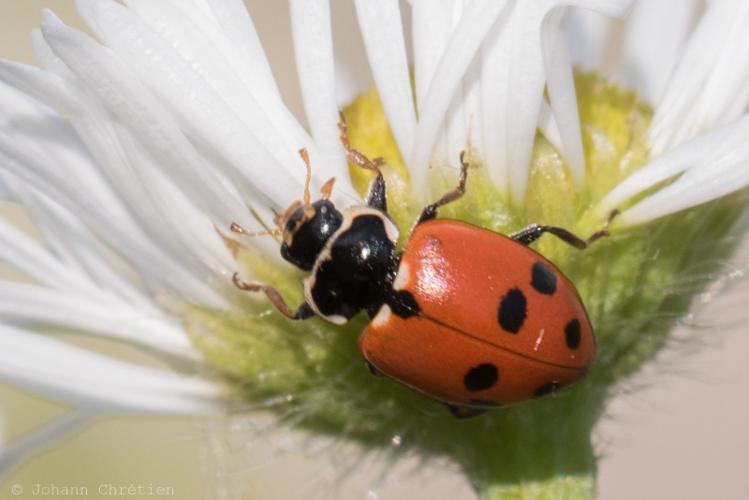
{"x": 402, "y": 278}
{"x": 382, "y": 318}
{"x": 539, "y": 339}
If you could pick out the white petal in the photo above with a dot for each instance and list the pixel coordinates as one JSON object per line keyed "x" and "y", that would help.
{"x": 42, "y": 85}
{"x": 548, "y": 126}
{"x": 89, "y": 271}
{"x": 718, "y": 154}
{"x": 646, "y": 65}
{"x": 313, "y": 47}
{"x": 257, "y": 107}
{"x": 382, "y": 28}
{"x": 43, "y": 437}
{"x": 708, "y": 86}
{"x": 611, "y": 8}
{"x": 253, "y": 67}
{"x": 62, "y": 233}
{"x": 475, "y": 24}
{"x": 168, "y": 214}
{"x": 205, "y": 116}
{"x": 561, "y": 87}
{"x": 528, "y": 43}
{"x": 464, "y": 117}
{"x": 706, "y": 182}
{"x": 100, "y": 213}
{"x": 352, "y": 72}
{"x": 495, "y": 99}
{"x": 153, "y": 127}
{"x": 524, "y": 93}
{"x": 22, "y": 252}
{"x": 432, "y": 27}
{"x": 27, "y": 119}
{"x": 35, "y": 131}
{"x": 433, "y": 24}
{"x": 36, "y": 305}
{"x": 90, "y": 380}
{"x": 472, "y": 110}
{"x": 591, "y": 40}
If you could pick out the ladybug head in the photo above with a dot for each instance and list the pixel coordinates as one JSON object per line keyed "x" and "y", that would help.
{"x": 304, "y": 226}
{"x": 307, "y": 226}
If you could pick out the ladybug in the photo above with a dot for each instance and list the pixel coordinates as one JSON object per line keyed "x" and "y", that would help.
{"x": 466, "y": 316}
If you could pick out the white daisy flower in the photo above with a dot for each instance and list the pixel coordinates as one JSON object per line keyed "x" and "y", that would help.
{"x": 133, "y": 153}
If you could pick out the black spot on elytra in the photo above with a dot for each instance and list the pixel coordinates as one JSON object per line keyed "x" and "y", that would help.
{"x": 403, "y": 304}
{"x": 481, "y": 377}
{"x": 572, "y": 334}
{"x": 543, "y": 279}
{"x": 512, "y": 311}
{"x": 549, "y": 388}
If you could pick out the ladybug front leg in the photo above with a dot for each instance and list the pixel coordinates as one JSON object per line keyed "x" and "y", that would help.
{"x": 430, "y": 211}
{"x": 533, "y": 232}
{"x": 304, "y": 311}
{"x": 376, "y": 195}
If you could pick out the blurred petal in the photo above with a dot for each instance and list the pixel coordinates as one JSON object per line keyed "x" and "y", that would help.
{"x": 250, "y": 156}
{"x": 715, "y": 164}
{"x": 91, "y": 380}
{"x": 382, "y": 29}
{"x": 561, "y": 88}
{"x": 476, "y": 22}
{"x": 646, "y": 66}
{"x": 530, "y": 55}
{"x": 591, "y": 40}
{"x": 315, "y": 60}
{"x": 708, "y": 86}
{"x": 432, "y": 27}
{"x": 36, "y": 305}
{"x": 43, "y": 437}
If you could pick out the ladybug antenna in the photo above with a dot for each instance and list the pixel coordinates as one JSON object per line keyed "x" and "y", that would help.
{"x": 305, "y": 158}
{"x": 327, "y": 188}
{"x": 236, "y": 228}
{"x": 277, "y": 218}
{"x": 309, "y": 212}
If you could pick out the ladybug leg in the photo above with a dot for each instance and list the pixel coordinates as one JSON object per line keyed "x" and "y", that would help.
{"x": 535, "y": 231}
{"x": 303, "y": 311}
{"x": 373, "y": 370}
{"x": 430, "y": 211}
{"x": 463, "y": 412}
{"x": 376, "y": 195}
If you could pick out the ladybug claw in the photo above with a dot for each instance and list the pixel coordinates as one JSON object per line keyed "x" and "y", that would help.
{"x": 373, "y": 370}
{"x": 243, "y": 285}
{"x": 463, "y": 412}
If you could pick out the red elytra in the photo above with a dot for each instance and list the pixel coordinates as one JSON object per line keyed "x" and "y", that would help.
{"x": 497, "y": 322}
